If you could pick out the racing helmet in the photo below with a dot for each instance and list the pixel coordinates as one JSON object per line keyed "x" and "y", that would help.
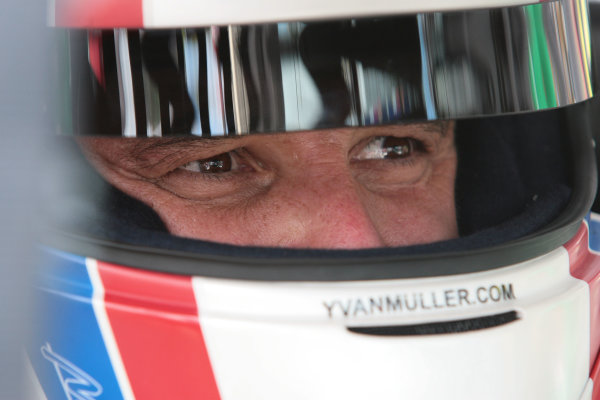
{"x": 508, "y": 307}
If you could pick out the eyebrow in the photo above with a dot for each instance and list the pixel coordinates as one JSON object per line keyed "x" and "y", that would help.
{"x": 177, "y": 143}
{"x": 168, "y": 142}
{"x": 436, "y": 127}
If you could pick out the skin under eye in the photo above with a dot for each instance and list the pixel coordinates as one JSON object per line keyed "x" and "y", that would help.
{"x": 387, "y": 148}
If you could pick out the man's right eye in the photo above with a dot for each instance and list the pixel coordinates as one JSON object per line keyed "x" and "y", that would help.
{"x": 220, "y": 163}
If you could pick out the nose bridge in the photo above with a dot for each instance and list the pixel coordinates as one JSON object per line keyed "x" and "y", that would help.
{"x": 337, "y": 211}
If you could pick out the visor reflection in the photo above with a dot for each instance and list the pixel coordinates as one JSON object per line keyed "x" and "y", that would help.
{"x": 239, "y": 80}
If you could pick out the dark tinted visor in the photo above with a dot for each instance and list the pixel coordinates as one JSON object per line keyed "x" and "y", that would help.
{"x": 236, "y": 80}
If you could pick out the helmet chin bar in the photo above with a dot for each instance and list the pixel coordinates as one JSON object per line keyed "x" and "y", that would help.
{"x": 245, "y": 79}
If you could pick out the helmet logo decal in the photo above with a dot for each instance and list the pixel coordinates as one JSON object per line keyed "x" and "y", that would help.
{"x": 415, "y": 302}
{"x": 77, "y": 384}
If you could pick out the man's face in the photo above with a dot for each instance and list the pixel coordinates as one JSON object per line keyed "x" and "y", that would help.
{"x": 342, "y": 188}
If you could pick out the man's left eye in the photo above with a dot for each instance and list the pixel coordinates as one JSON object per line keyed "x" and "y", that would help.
{"x": 388, "y": 147}
{"x": 220, "y": 163}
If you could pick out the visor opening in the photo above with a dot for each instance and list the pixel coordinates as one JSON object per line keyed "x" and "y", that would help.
{"x": 437, "y": 328}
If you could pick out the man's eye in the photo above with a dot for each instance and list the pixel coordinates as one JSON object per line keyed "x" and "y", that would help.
{"x": 388, "y": 147}
{"x": 213, "y": 165}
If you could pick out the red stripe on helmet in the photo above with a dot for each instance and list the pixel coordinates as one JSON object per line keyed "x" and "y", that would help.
{"x": 99, "y": 13}
{"x": 595, "y": 375}
{"x": 155, "y": 323}
{"x": 585, "y": 265}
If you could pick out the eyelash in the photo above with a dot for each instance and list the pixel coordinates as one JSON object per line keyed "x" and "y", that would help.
{"x": 407, "y": 162}
{"x": 213, "y": 177}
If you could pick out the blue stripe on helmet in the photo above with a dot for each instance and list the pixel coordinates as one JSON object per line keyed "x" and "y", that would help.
{"x": 66, "y": 349}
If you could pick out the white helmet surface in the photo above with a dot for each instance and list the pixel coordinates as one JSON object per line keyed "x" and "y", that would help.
{"x": 318, "y": 200}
